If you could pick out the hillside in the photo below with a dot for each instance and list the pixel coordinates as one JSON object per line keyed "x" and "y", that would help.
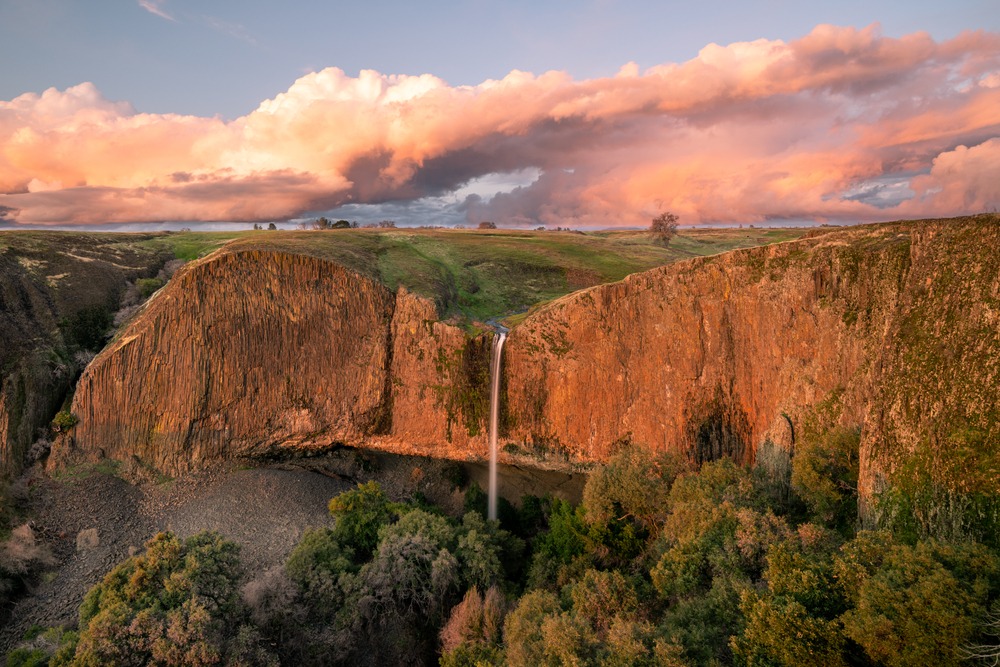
{"x": 480, "y": 275}
{"x": 58, "y": 294}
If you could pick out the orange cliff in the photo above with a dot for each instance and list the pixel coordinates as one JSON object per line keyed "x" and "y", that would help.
{"x": 248, "y": 352}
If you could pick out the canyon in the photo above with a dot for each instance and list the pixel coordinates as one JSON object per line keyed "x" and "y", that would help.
{"x": 269, "y": 349}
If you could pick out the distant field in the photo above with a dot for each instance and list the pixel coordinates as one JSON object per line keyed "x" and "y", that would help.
{"x": 482, "y": 275}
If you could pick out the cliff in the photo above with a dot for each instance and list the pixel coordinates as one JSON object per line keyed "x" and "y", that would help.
{"x": 57, "y": 294}
{"x": 259, "y": 349}
{"x": 251, "y": 352}
{"x": 716, "y": 355}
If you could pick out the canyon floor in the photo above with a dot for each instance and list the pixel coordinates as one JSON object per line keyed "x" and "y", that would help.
{"x": 264, "y": 509}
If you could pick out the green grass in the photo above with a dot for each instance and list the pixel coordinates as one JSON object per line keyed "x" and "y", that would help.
{"x": 475, "y": 276}
{"x": 191, "y": 245}
{"x": 84, "y": 471}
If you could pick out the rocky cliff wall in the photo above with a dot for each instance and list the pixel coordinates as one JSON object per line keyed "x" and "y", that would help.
{"x": 716, "y": 355}
{"x": 259, "y": 353}
{"x": 249, "y": 352}
{"x": 239, "y": 353}
{"x": 708, "y": 356}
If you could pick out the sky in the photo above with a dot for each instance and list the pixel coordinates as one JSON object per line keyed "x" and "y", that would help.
{"x": 586, "y": 114}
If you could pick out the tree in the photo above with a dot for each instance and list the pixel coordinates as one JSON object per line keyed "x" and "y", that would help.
{"x": 322, "y": 223}
{"x": 387, "y": 224}
{"x": 341, "y": 224}
{"x": 175, "y": 604}
{"x": 486, "y": 224}
{"x": 360, "y": 513}
{"x": 664, "y": 228}
{"x": 271, "y": 227}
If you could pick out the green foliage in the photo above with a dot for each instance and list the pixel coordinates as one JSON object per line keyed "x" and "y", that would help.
{"x": 523, "y": 629}
{"x": 147, "y": 286}
{"x": 633, "y": 486}
{"x": 825, "y": 475}
{"x": 562, "y": 552}
{"x": 915, "y": 605}
{"x": 87, "y": 328}
{"x": 317, "y": 565}
{"x": 390, "y": 603}
{"x": 476, "y": 501}
{"x": 64, "y": 421}
{"x": 174, "y": 604}
{"x": 52, "y": 646}
{"x": 945, "y": 491}
{"x": 601, "y": 625}
{"x": 360, "y": 514}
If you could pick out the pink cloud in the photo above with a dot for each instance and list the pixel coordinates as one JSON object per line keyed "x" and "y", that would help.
{"x": 156, "y": 7}
{"x": 808, "y": 129}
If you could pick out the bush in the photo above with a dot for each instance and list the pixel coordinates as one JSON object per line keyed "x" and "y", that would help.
{"x": 914, "y": 605}
{"x": 360, "y": 514}
{"x": 64, "y": 421}
{"x": 148, "y": 286}
{"x": 88, "y": 328}
{"x": 174, "y": 604}
{"x": 472, "y": 632}
{"x": 633, "y": 486}
{"x": 825, "y": 475}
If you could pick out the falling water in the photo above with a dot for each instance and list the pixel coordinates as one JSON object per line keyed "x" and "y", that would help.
{"x": 498, "y": 341}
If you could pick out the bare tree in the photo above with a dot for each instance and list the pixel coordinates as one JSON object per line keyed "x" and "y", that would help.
{"x": 989, "y": 653}
{"x": 664, "y": 228}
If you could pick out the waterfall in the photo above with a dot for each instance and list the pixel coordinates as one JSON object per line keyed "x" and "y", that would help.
{"x": 497, "y": 354}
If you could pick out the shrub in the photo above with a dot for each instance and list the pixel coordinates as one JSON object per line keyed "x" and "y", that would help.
{"x": 316, "y": 565}
{"x": 64, "y": 421}
{"x": 915, "y": 605}
{"x": 473, "y": 629}
{"x": 148, "y": 286}
{"x": 825, "y": 475}
{"x": 359, "y": 514}
{"x": 174, "y": 604}
{"x": 633, "y": 486}
{"x": 87, "y": 328}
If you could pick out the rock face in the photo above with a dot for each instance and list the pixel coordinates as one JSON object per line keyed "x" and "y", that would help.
{"x": 250, "y": 352}
{"x": 716, "y": 355}
{"x": 58, "y": 291}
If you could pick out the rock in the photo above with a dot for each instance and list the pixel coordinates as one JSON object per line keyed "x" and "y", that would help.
{"x": 87, "y": 539}
{"x": 252, "y": 352}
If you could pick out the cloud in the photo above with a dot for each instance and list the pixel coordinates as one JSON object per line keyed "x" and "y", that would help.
{"x": 842, "y": 124}
{"x": 156, "y": 7}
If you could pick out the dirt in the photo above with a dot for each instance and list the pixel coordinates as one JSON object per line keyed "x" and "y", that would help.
{"x": 264, "y": 508}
